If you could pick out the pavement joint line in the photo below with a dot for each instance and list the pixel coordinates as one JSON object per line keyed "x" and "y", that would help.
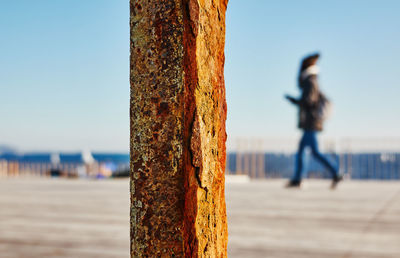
{"x": 370, "y": 222}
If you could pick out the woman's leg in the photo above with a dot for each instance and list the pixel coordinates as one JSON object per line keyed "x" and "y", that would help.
{"x": 300, "y": 159}
{"x": 319, "y": 156}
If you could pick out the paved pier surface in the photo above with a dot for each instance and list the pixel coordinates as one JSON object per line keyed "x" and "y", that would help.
{"x": 80, "y": 218}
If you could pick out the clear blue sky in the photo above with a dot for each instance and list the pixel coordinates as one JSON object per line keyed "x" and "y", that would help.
{"x": 64, "y": 69}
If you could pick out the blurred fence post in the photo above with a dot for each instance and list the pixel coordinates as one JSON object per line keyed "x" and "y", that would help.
{"x": 238, "y": 157}
{"x": 177, "y": 118}
{"x": 260, "y": 159}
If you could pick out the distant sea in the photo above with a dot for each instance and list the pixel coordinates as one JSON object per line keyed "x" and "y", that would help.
{"x": 117, "y": 158}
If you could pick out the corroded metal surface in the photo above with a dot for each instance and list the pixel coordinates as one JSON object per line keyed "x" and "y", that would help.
{"x": 178, "y": 113}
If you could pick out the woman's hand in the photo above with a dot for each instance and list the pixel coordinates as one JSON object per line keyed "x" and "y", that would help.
{"x": 291, "y": 99}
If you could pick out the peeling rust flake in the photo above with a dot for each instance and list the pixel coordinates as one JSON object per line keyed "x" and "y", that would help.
{"x": 195, "y": 143}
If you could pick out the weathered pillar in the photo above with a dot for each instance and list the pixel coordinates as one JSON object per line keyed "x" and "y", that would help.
{"x": 178, "y": 114}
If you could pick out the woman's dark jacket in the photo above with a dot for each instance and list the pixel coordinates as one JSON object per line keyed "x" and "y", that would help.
{"x": 309, "y": 120}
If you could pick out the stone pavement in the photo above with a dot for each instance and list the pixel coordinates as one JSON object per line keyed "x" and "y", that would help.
{"x": 83, "y": 218}
{"x": 359, "y": 219}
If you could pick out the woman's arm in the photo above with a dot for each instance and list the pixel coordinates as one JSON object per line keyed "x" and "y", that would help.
{"x": 292, "y": 99}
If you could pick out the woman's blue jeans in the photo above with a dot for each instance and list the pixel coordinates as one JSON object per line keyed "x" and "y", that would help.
{"x": 309, "y": 139}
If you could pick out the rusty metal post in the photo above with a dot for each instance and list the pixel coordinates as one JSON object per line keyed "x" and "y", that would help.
{"x": 177, "y": 118}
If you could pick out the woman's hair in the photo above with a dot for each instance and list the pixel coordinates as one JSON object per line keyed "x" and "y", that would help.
{"x": 309, "y": 61}
{"x": 305, "y": 63}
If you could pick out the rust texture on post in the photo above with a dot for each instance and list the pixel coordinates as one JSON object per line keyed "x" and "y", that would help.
{"x": 177, "y": 118}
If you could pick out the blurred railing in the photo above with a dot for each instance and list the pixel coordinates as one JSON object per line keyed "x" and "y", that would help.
{"x": 357, "y": 158}
{"x": 67, "y": 169}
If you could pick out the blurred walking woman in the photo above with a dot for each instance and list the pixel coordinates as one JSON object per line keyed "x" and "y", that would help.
{"x": 313, "y": 107}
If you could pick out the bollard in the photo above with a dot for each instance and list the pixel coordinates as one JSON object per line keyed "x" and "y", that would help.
{"x": 177, "y": 119}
